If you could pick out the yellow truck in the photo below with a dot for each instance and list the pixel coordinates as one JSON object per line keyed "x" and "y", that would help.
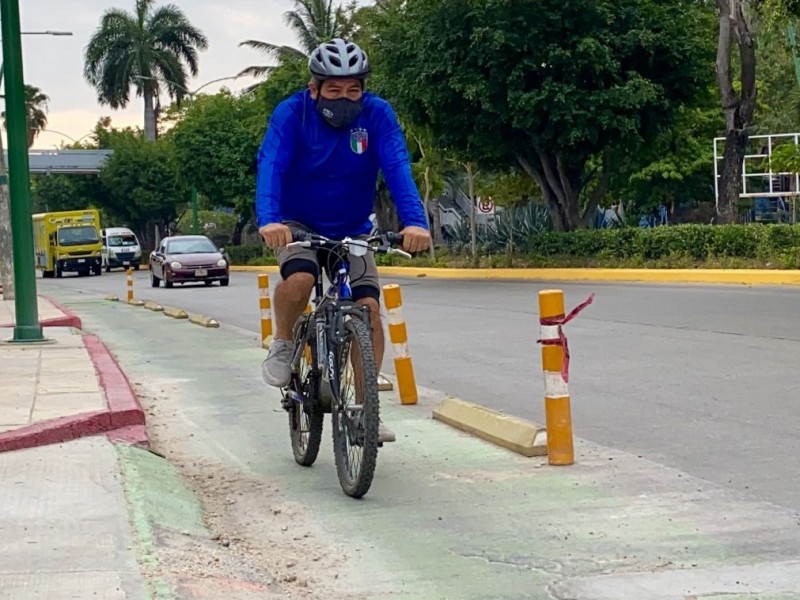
{"x": 68, "y": 241}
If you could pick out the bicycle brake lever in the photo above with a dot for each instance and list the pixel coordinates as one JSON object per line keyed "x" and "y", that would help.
{"x": 398, "y": 251}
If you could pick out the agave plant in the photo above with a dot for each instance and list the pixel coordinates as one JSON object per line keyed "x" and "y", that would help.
{"x": 512, "y": 228}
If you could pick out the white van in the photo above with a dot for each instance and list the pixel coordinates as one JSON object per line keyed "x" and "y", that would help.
{"x": 121, "y": 248}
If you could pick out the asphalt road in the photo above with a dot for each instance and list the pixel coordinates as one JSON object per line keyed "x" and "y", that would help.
{"x": 696, "y": 378}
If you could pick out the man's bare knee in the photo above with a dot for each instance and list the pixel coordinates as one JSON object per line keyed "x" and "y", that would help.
{"x": 297, "y": 287}
{"x": 374, "y": 309}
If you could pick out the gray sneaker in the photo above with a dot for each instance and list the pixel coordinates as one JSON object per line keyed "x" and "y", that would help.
{"x": 384, "y": 433}
{"x": 277, "y": 367}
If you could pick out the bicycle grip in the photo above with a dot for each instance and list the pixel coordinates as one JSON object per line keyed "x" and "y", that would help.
{"x": 298, "y": 235}
{"x": 394, "y": 238}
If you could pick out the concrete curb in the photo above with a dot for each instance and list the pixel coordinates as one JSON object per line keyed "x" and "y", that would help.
{"x": 384, "y": 383}
{"x": 203, "y": 321}
{"x": 175, "y": 313}
{"x": 674, "y": 276}
{"x": 126, "y": 411}
{"x": 513, "y": 433}
{"x": 122, "y": 421}
{"x": 70, "y": 319}
{"x": 178, "y": 313}
{"x": 154, "y": 306}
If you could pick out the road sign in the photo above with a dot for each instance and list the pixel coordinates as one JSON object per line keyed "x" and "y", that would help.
{"x": 485, "y": 205}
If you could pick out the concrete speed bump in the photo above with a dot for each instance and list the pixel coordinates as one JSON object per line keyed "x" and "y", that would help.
{"x": 203, "y": 321}
{"x": 154, "y": 306}
{"x": 112, "y": 298}
{"x": 384, "y": 383}
{"x": 136, "y": 302}
{"x": 175, "y": 313}
{"x": 518, "y": 435}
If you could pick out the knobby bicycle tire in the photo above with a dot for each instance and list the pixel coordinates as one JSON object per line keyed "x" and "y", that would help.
{"x": 358, "y": 332}
{"x": 305, "y": 454}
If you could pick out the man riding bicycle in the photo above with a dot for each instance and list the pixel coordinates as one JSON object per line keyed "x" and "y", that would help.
{"x": 317, "y": 171}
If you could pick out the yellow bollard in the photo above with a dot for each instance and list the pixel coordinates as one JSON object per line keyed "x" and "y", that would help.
{"x": 398, "y": 335}
{"x": 266, "y": 310}
{"x": 560, "y": 450}
{"x": 130, "y": 284}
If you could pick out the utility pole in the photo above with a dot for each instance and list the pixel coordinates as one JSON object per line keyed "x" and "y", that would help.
{"x": 27, "y": 328}
{"x": 6, "y": 258}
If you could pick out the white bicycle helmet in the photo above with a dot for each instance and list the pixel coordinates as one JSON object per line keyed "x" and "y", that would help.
{"x": 338, "y": 58}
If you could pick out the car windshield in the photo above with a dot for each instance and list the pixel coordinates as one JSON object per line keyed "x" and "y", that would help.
{"x": 122, "y": 240}
{"x": 191, "y": 247}
{"x": 77, "y": 236}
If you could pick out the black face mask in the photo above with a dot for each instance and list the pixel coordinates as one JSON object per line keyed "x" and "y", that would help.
{"x": 340, "y": 112}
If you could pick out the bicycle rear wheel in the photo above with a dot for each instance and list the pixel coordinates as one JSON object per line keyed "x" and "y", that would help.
{"x": 305, "y": 413}
{"x": 356, "y": 412}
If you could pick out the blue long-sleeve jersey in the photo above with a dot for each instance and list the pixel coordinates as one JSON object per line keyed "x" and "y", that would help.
{"x": 325, "y": 178}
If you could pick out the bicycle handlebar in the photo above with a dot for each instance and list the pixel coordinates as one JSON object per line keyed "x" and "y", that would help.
{"x": 311, "y": 240}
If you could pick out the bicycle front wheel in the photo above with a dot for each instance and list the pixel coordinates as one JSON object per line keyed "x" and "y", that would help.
{"x": 356, "y": 412}
{"x": 306, "y": 417}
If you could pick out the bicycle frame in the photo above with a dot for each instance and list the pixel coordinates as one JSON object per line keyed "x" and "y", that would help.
{"x": 330, "y": 309}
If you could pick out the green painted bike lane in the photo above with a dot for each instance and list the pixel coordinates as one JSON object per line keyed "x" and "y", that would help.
{"x": 449, "y": 516}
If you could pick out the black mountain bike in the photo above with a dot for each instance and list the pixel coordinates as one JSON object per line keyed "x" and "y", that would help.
{"x": 333, "y": 367}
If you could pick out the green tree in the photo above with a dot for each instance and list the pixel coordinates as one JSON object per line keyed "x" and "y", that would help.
{"x": 141, "y": 187}
{"x": 54, "y": 193}
{"x": 215, "y": 143}
{"x": 743, "y": 24}
{"x": 35, "y": 111}
{"x": 560, "y": 89}
{"x": 428, "y": 168}
{"x": 142, "y": 51}
{"x": 312, "y": 22}
{"x": 676, "y": 168}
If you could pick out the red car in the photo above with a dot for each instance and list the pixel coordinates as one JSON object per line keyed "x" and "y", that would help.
{"x": 188, "y": 259}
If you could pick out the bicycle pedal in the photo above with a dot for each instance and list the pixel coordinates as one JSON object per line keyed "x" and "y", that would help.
{"x": 290, "y": 398}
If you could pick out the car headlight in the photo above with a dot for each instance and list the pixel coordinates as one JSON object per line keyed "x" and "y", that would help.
{"x": 221, "y": 262}
{"x": 175, "y": 265}
{"x": 138, "y": 253}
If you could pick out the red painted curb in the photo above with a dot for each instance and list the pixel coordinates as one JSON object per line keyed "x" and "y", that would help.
{"x": 134, "y": 435}
{"x": 123, "y": 404}
{"x": 54, "y": 431}
{"x": 123, "y": 421}
{"x": 70, "y": 319}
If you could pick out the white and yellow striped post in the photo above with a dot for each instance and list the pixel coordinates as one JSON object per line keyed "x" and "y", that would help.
{"x": 266, "y": 310}
{"x": 560, "y": 450}
{"x": 398, "y": 334}
{"x": 129, "y": 283}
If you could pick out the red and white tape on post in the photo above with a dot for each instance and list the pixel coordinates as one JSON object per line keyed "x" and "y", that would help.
{"x": 552, "y": 331}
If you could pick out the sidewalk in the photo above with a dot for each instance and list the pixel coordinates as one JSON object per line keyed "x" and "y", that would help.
{"x": 66, "y": 388}
{"x": 65, "y": 521}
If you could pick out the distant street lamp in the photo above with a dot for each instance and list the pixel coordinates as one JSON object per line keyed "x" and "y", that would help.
{"x": 66, "y": 135}
{"x": 191, "y": 94}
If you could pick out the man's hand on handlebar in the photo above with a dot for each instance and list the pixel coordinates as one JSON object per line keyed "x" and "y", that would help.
{"x": 276, "y": 235}
{"x": 416, "y": 239}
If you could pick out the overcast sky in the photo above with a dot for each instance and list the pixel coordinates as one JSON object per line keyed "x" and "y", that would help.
{"x": 55, "y": 64}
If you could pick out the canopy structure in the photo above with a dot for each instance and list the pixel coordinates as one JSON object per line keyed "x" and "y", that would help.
{"x": 76, "y": 162}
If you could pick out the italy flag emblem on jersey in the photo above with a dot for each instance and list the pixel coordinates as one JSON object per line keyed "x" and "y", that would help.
{"x": 359, "y": 140}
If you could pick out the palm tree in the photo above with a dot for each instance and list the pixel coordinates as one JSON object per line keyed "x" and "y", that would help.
{"x": 313, "y": 22}
{"x": 144, "y": 50}
{"x": 35, "y": 112}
